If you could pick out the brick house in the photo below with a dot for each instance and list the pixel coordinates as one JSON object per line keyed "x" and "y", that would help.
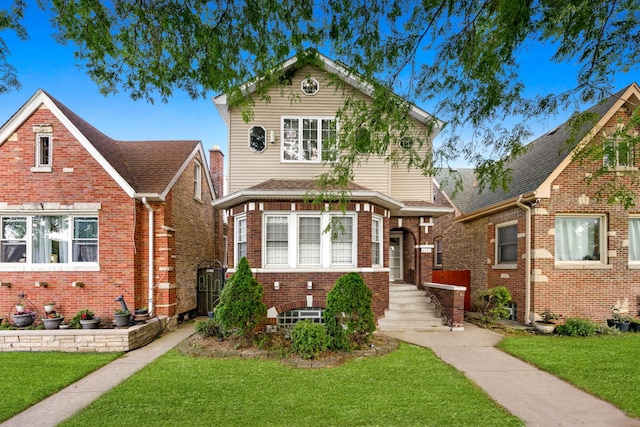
{"x": 86, "y": 218}
{"x": 548, "y": 238}
{"x": 273, "y": 160}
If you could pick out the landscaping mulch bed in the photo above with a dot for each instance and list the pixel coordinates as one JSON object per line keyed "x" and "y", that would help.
{"x": 276, "y": 346}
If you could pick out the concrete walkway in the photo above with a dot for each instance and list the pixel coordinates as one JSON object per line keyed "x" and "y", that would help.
{"x": 538, "y": 398}
{"x": 62, "y": 405}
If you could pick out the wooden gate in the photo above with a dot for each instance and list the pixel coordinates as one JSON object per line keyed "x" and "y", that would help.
{"x": 210, "y": 283}
{"x": 455, "y": 277}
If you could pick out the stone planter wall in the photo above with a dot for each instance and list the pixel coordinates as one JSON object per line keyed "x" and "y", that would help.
{"x": 85, "y": 340}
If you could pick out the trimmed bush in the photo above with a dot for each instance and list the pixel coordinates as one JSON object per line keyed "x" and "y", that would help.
{"x": 348, "y": 316}
{"x": 577, "y": 327}
{"x": 309, "y": 339}
{"x": 241, "y": 308}
{"x": 208, "y": 328}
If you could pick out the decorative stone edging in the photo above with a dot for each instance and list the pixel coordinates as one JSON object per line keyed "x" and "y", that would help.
{"x": 185, "y": 347}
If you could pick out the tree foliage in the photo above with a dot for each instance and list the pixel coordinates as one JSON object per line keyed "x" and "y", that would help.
{"x": 241, "y": 308}
{"x": 460, "y": 57}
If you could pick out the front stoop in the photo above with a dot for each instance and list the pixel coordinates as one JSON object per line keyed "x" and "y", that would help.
{"x": 410, "y": 310}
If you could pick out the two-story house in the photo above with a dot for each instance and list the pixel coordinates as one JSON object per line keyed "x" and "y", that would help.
{"x": 384, "y": 230}
{"x": 86, "y": 218}
{"x": 551, "y": 238}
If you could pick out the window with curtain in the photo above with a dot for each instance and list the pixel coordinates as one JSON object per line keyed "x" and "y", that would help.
{"x": 579, "y": 238}
{"x": 507, "y": 244}
{"x": 309, "y": 240}
{"x": 342, "y": 240}
{"x": 634, "y": 240}
{"x": 277, "y": 241}
{"x": 40, "y": 239}
{"x": 376, "y": 242}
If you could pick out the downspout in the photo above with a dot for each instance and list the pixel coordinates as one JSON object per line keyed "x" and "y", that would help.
{"x": 527, "y": 274}
{"x": 151, "y": 269}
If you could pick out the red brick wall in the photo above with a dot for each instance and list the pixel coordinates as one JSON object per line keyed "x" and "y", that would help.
{"x": 84, "y": 181}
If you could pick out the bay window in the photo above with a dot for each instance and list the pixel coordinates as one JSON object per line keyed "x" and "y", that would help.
{"x": 277, "y": 241}
{"x": 634, "y": 240}
{"x": 241, "y": 238}
{"x": 376, "y": 241}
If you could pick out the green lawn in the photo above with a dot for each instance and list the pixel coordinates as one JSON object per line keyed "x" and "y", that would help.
{"x": 605, "y": 366}
{"x": 408, "y": 387}
{"x": 27, "y": 378}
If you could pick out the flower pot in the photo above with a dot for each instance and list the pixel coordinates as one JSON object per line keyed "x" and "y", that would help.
{"x": 22, "y": 320}
{"x": 610, "y": 323}
{"x": 49, "y": 308}
{"x": 634, "y": 327}
{"x": 53, "y": 322}
{"x": 122, "y": 320}
{"x": 623, "y": 326}
{"x": 545, "y": 328}
{"x": 90, "y": 324}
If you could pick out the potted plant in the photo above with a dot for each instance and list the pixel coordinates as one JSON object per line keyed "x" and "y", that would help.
{"x": 53, "y": 320}
{"x": 620, "y": 322}
{"x": 547, "y": 322}
{"x": 86, "y": 319}
{"x": 22, "y": 317}
{"x": 634, "y": 325}
{"x": 122, "y": 318}
{"x": 49, "y": 307}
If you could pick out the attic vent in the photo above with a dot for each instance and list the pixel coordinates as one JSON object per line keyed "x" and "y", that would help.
{"x": 553, "y": 131}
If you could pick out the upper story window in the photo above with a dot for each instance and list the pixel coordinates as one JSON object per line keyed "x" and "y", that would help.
{"x": 49, "y": 239}
{"x": 580, "y": 238}
{"x": 257, "y": 139}
{"x": 43, "y": 152}
{"x": 507, "y": 243}
{"x": 310, "y": 86}
{"x": 197, "y": 181}
{"x": 308, "y": 139}
{"x": 634, "y": 241}
{"x": 619, "y": 150}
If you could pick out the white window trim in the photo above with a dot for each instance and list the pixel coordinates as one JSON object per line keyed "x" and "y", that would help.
{"x": 264, "y": 238}
{"x": 325, "y": 240}
{"x": 300, "y": 119}
{"x": 511, "y": 264}
{"x": 42, "y": 167}
{"x": 249, "y": 139}
{"x": 376, "y": 222}
{"x": 586, "y": 264}
{"x": 634, "y": 265}
{"x": 197, "y": 180}
{"x": 615, "y": 141}
{"x": 60, "y": 266}
{"x": 236, "y": 220}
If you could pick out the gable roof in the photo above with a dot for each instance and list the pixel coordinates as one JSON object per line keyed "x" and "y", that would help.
{"x": 340, "y": 70}
{"x": 141, "y": 168}
{"x": 545, "y": 158}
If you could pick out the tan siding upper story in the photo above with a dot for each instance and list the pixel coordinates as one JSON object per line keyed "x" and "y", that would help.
{"x": 247, "y": 168}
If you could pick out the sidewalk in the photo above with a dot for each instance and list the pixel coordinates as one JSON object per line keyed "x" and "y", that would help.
{"x": 62, "y": 405}
{"x": 538, "y": 398}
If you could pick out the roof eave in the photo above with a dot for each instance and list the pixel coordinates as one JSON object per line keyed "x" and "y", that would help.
{"x": 513, "y": 201}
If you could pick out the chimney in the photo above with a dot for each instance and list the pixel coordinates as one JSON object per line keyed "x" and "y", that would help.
{"x": 216, "y": 163}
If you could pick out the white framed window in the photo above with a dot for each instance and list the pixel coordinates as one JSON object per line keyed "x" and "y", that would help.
{"x": 580, "y": 238}
{"x": 299, "y": 239}
{"x": 197, "y": 181}
{"x": 376, "y": 241}
{"x": 507, "y": 243}
{"x": 634, "y": 240}
{"x": 310, "y": 86}
{"x": 240, "y": 238}
{"x": 257, "y": 139}
{"x": 277, "y": 239}
{"x": 310, "y": 240}
{"x": 437, "y": 252}
{"x": 49, "y": 239}
{"x": 43, "y": 153}
{"x": 619, "y": 150}
{"x": 308, "y": 139}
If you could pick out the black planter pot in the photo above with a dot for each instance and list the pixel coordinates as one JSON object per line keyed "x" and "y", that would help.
{"x": 610, "y": 322}
{"x": 122, "y": 320}
{"x": 634, "y": 327}
{"x": 623, "y": 326}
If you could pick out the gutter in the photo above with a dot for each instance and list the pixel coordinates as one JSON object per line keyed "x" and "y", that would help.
{"x": 527, "y": 273}
{"x": 151, "y": 267}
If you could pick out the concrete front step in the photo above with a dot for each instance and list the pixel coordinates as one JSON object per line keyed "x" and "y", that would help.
{"x": 411, "y": 315}
{"x": 412, "y": 306}
{"x": 410, "y": 310}
{"x": 389, "y": 325}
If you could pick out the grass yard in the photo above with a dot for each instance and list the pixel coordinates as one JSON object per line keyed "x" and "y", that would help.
{"x": 604, "y": 365}
{"x": 408, "y": 387}
{"x": 27, "y": 378}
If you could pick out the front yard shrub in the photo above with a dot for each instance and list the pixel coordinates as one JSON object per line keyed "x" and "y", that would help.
{"x": 348, "y": 315}
{"x": 309, "y": 339}
{"x": 577, "y": 327}
{"x": 241, "y": 308}
{"x": 492, "y": 304}
{"x": 208, "y": 328}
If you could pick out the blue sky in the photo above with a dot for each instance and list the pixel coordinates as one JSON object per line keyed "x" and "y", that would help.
{"x": 42, "y": 63}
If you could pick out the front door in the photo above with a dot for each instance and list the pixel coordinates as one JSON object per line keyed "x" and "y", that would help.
{"x": 395, "y": 257}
